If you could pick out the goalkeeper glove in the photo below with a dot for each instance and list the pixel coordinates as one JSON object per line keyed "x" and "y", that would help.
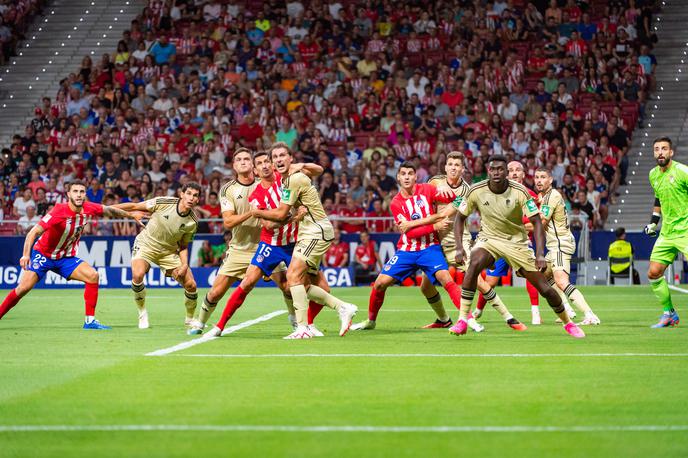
{"x": 651, "y": 229}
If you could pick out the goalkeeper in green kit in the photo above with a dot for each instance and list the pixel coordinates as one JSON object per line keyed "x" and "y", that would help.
{"x": 670, "y": 183}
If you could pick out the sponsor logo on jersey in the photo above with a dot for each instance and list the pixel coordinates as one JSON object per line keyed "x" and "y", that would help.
{"x": 286, "y": 194}
{"x": 531, "y": 206}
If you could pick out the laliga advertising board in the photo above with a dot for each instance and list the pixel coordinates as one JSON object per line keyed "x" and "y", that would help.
{"x": 111, "y": 257}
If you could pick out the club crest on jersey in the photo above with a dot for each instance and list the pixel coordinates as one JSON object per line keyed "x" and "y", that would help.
{"x": 415, "y": 216}
{"x": 260, "y": 258}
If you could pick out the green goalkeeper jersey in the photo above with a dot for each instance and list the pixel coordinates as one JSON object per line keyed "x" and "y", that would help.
{"x": 671, "y": 188}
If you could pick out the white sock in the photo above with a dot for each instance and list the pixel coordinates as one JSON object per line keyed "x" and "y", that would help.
{"x": 535, "y": 309}
{"x": 89, "y": 319}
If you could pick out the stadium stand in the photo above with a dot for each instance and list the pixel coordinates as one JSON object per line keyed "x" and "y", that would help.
{"x": 356, "y": 86}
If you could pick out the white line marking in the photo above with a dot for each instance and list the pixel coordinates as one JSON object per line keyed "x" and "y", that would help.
{"x": 676, "y": 288}
{"x": 544, "y": 308}
{"x": 203, "y": 339}
{"x": 440, "y": 355}
{"x": 338, "y": 429}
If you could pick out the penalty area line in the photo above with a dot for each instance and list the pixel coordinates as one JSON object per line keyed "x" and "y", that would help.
{"x": 441, "y": 355}
{"x": 344, "y": 428}
{"x": 676, "y": 288}
{"x": 203, "y": 339}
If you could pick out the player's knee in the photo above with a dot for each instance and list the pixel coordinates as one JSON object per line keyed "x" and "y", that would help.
{"x": 190, "y": 285}
{"x": 379, "y": 285}
{"x": 92, "y": 276}
{"x": 654, "y": 272}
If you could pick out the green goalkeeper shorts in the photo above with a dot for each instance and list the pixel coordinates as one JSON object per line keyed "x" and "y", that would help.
{"x": 666, "y": 250}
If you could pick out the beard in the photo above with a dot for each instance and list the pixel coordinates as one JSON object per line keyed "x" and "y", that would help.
{"x": 662, "y": 162}
{"x": 74, "y": 203}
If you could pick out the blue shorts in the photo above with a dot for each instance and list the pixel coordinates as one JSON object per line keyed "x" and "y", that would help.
{"x": 41, "y": 265}
{"x": 268, "y": 257}
{"x": 501, "y": 268}
{"x": 405, "y": 263}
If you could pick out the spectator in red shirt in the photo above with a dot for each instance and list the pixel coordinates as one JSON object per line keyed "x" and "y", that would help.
{"x": 367, "y": 262}
{"x": 378, "y": 225}
{"x": 352, "y": 210}
{"x": 212, "y": 210}
{"x": 309, "y": 49}
{"x": 338, "y": 254}
{"x": 250, "y": 130}
{"x": 452, "y": 96}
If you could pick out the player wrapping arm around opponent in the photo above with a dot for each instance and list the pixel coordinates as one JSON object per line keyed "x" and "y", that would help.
{"x": 58, "y": 235}
{"x": 502, "y": 204}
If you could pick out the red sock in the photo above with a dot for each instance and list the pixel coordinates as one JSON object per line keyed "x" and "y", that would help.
{"x": 233, "y": 303}
{"x": 90, "y": 298}
{"x": 375, "y": 303}
{"x": 454, "y": 293}
{"x": 313, "y": 309}
{"x": 10, "y": 301}
{"x": 481, "y": 302}
{"x": 459, "y": 277}
{"x": 533, "y": 293}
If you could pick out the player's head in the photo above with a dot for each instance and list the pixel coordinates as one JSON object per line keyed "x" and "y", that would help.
{"x": 263, "y": 164}
{"x": 281, "y": 157}
{"x": 663, "y": 151}
{"x": 364, "y": 236}
{"x": 454, "y": 166}
{"x": 543, "y": 179}
{"x": 406, "y": 176}
{"x": 497, "y": 169}
{"x": 516, "y": 171}
{"x": 190, "y": 194}
{"x": 242, "y": 161}
{"x": 76, "y": 193}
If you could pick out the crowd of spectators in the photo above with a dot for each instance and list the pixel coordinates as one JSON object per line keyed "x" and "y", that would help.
{"x": 15, "y": 17}
{"x": 357, "y": 86}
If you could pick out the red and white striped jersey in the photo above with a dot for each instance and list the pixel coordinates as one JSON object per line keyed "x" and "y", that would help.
{"x": 268, "y": 199}
{"x": 63, "y": 228}
{"x": 418, "y": 206}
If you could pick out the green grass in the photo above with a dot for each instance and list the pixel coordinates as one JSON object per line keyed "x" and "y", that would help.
{"x": 54, "y": 373}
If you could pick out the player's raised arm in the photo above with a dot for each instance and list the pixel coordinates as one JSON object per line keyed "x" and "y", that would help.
{"x": 651, "y": 229}
{"x": 309, "y": 169}
{"x": 113, "y": 212}
{"x": 31, "y": 237}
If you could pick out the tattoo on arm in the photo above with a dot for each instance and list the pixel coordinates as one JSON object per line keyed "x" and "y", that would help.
{"x": 112, "y": 212}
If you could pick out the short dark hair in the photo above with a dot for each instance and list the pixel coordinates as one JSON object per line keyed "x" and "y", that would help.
{"x": 663, "y": 139}
{"x": 75, "y": 183}
{"x": 279, "y": 145}
{"x": 620, "y": 232}
{"x": 456, "y": 155}
{"x": 241, "y": 150}
{"x": 407, "y": 165}
{"x": 260, "y": 153}
{"x": 544, "y": 169}
{"x": 497, "y": 158}
{"x": 192, "y": 185}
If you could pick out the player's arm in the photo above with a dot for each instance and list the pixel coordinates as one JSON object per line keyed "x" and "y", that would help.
{"x": 533, "y": 213}
{"x": 34, "y": 233}
{"x": 278, "y": 215}
{"x": 400, "y": 219}
{"x": 309, "y": 169}
{"x": 111, "y": 211}
{"x": 437, "y": 220}
{"x": 144, "y": 206}
{"x": 651, "y": 229}
{"x": 288, "y": 200}
{"x": 230, "y": 219}
{"x": 294, "y": 217}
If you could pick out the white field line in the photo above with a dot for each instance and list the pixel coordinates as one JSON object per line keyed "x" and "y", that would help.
{"x": 442, "y": 355}
{"x": 676, "y": 288}
{"x": 344, "y": 429}
{"x": 203, "y": 339}
{"x": 542, "y": 307}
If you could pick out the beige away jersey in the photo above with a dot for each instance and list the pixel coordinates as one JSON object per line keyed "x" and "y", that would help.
{"x": 297, "y": 189}
{"x": 167, "y": 229}
{"x": 501, "y": 215}
{"x": 553, "y": 210}
{"x": 448, "y": 239}
{"x": 234, "y": 197}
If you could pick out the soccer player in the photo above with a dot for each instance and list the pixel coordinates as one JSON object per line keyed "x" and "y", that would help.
{"x": 314, "y": 237}
{"x": 165, "y": 242}
{"x": 276, "y": 239}
{"x": 669, "y": 180}
{"x": 561, "y": 245}
{"x": 417, "y": 248}
{"x": 453, "y": 180}
{"x": 502, "y": 204}
{"x": 58, "y": 235}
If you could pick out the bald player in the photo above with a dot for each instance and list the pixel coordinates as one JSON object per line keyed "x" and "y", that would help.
{"x": 453, "y": 180}
{"x": 502, "y": 205}
{"x": 561, "y": 245}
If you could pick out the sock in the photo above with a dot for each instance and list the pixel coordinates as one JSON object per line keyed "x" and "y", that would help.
{"x": 454, "y": 294}
{"x": 535, "y": 309}
{"x": 10, "y": 301}
{"x": 233, "y": 303}
{"x": 466, "y": 302}
{"x": 578, "y": 299}
{"x": 139, "y": 295}
{"x": 317, "y": 294}
{"x": 377, "y": 297}
{"x": 313, "y": 309}
{"x": 564, "y": 299}
{"x": 207, "y": 309}
{"x": 437, "y": 305}
{"x": 191, "y": 298}
{"x": 300, "y": 298}
{"x": 496, "y": 302}
{"x": 533, "y": 294}
{"x": 481, "y": 302}
{"x": 90, "y": 300}
{"x": 289, "y": 303}
{"x": 661, "y": 290}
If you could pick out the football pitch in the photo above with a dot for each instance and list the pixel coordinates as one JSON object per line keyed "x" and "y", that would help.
{"x": 395, "y": 391}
